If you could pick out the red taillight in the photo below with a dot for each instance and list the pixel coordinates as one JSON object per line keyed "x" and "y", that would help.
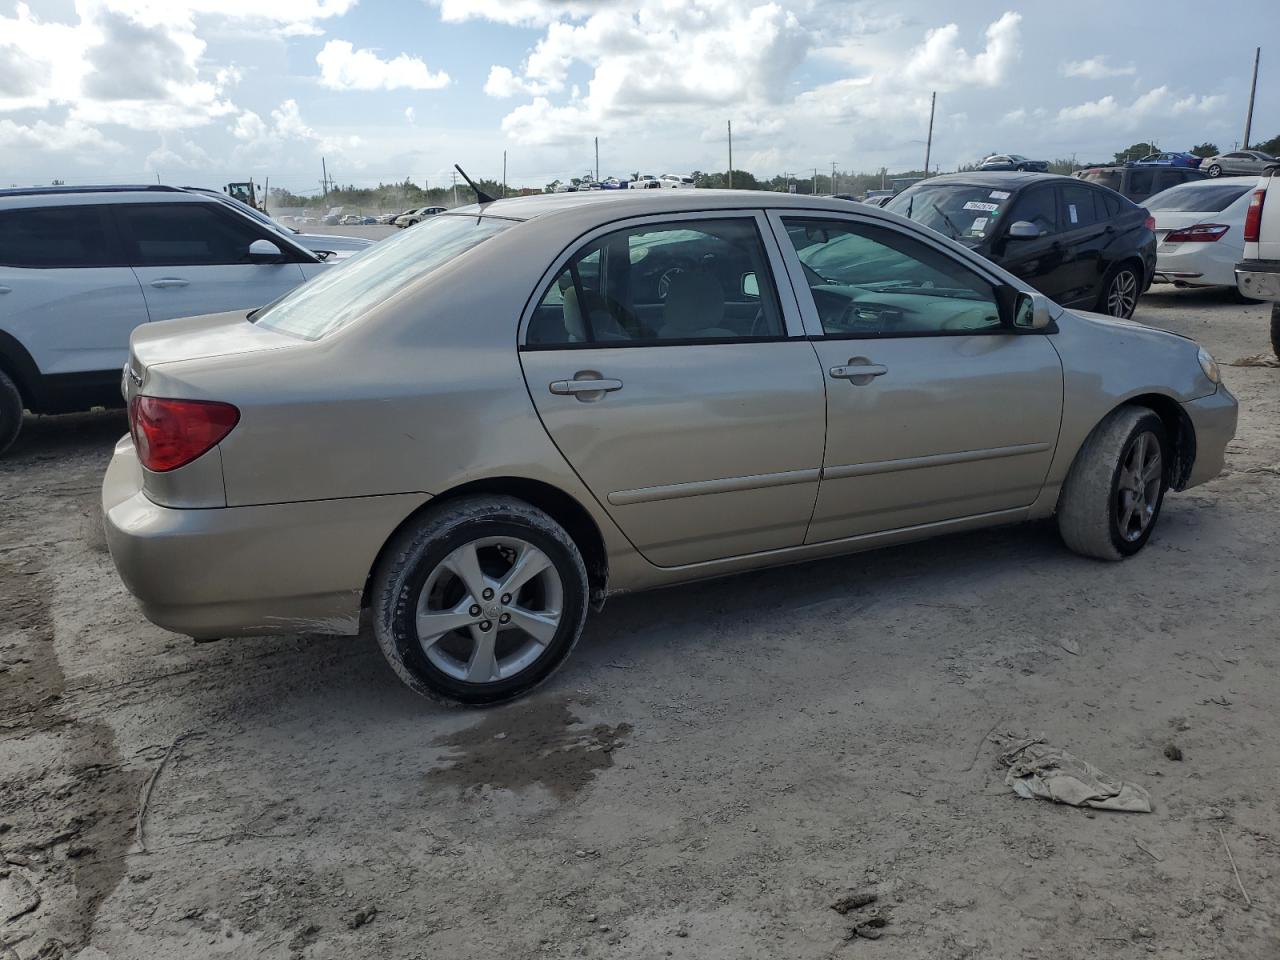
{"x": 1200, "y": 233}
{"x": 171, "y": 433}
{"x": 1151, "y": 222}
{"x": 1253, "y": 216}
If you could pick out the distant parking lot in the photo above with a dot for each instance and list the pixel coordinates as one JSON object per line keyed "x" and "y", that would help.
{"x": 716, "y": 766}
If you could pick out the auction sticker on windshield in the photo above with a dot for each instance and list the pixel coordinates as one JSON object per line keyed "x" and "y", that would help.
{"x": 981, "y": 205}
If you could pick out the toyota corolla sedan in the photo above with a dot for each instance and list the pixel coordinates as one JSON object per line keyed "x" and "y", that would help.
{"x": 476, "y": 432}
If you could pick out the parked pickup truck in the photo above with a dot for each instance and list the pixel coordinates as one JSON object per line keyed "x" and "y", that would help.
{"x": 1258, "y": 274}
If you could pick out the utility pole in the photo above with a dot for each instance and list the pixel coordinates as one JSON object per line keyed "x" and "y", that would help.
{"x": 1253, "y": 90}
{"x": 833, "y": 178}
{"x": 928, "y": 148}
{"x": 597, "y": 159}
{"x": 814, "y": 190}
{"x": 504, "y": 173}
{"x": 455, "y": 187}
{"x": 730, "y": 122}
{"x": 324, "y": 178}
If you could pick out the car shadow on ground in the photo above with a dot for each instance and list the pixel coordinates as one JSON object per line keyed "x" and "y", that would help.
{"x": 70, "y": 434}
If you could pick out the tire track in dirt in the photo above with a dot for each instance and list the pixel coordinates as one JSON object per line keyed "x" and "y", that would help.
{"x": 70, "y": 812}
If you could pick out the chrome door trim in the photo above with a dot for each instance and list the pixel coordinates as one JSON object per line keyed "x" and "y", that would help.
{"x": 698, "y": 488}
{"x": 933, "y": 460}
{"x": 792, "y": 318}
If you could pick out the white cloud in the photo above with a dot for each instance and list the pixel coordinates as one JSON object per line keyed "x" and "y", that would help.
{"x": 942, "y": 64}
{"x": 520, "y": 13}
{"x": 1157, "y": 102}
{"x": 343, "y": 67}
{"x": 410, "y": 115}
{"x": 1096, "y": 68}
{"x": 71, "y": 136}
{"x": 178, "y": 152}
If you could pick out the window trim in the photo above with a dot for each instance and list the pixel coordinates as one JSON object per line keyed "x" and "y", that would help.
{"x": 115, "y": 245}
{"x": 963, "y": 257}
{"x": 131, "y": 256}
{"x": 792, "y": 321}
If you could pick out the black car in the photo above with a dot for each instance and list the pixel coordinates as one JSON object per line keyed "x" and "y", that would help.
{"x": 1081, "y": 245}
{"x": 1012, "y": 161}
{"x": 1138, "y": 182}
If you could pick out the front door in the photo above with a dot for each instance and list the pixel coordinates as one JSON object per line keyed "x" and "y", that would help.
{"x": 660, "y": 361}
{"x": 1038, "y": 261}
{"x": 193, "y": 259}
{"x": 935, "y": 411}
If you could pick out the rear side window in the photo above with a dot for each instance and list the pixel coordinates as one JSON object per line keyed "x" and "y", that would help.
{"x": 182, "y": 234}
{"x": 1107, "y": 178}
{"x": 1140, "y": 183}
{"x": 47, "y": 237}
{"x": 340, "y": 295}
{"x": 1168, "y": 178}
{"x": 694, "y": 280}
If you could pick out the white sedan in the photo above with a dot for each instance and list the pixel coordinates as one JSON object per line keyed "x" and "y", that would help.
{"x": 1200, "y": 229}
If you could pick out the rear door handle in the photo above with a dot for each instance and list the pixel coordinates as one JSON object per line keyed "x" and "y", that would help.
{"x": 4, "y": 289}
{"x": 165, "y": 283}
{"x": 859, "y": 371}
{"x": 587, "y": 388}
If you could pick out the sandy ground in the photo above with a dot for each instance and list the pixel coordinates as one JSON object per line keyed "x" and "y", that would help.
{"x": 713, "y": 769}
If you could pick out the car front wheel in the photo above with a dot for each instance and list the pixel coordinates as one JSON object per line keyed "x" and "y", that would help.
{"x": 1275, "y": 328}
{"x": 10, "y": 412}
{"x": 479, "y": 601}
{"x": 1113, "y": 493}
{"x": 1120, "y": 292}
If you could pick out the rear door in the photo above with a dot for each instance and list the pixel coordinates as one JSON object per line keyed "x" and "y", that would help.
{"x": 675, "y": 380}
{"x": 66, "y": 294}
{"x": 193, "y": 258}
{"x": 1087, "y": 231}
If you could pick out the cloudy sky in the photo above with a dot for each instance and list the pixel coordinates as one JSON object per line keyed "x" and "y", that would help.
{"x": 206, "y": 91}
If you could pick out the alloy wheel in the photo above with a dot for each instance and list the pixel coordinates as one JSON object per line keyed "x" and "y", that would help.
{"x": 1122, "y": 294}
{"x": 489, "y": 609}
{"x": 1138, "y": 485}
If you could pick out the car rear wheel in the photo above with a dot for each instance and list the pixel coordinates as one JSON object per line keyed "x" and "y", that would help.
{"x": 1120, "y": 292}
{"x": 1215, "y": 170}
{"x": 10, "y": 412}
{"x": 1112, "y": 496}
{"x": 479, "y": 601}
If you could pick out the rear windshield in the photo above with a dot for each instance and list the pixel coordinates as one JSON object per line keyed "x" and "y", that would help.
{"x": 340, "y": 294}
{"x": 1198, "y": 197}
{"x": 962, "y": 211}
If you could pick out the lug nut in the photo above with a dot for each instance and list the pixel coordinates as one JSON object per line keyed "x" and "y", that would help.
{"x": 485, "y": 625}
{"x": 475, "y": 610}
{"x": 505, "y": 618}
{"x": 488, "y": 594}
{"x": 506, "y": 598}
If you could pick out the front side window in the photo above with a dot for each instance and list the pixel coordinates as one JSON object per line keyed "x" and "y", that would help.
{"x": 340, "y": 295}
{"x": 186, "y": 234}
{"x": 870, "y": 281}
{"x": 47, "y": 237}
{"x": 696, "y": 280}
{"x": 1037, "y": 206}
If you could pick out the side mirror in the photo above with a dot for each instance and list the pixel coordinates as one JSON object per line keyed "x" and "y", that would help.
{"x": 264, "y": 251}
{"x": 1023, "y": 230}
{"x": 751, "y": 286}
{"x": 1020, "y": 310}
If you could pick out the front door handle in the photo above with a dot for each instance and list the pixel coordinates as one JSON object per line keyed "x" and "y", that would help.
{"x": 164, "y": 283}
{"x": 859, "y": 370}
{"x": 4, "y": 289}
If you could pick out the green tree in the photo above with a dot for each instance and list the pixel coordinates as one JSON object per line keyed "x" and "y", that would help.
{"x": 1205, "y": 149}
{"x": 1271, "y": 146}
{"x": 1136, "y": 151}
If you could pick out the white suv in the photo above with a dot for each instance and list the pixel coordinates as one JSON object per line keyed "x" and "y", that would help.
{"x": 80, "y": 267}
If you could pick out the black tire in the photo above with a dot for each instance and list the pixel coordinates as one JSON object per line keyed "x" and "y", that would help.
{"x": 10, "y": 412}
{"x": 1275, "y": 328}
{"x": 1116, "y": 277}
{"x": 1214, "y": 170}
{"x": 419, "y": 550}
{"x": 1091, "y": 507}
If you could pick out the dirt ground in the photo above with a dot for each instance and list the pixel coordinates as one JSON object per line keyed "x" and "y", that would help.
{"x": 714, "y": 768}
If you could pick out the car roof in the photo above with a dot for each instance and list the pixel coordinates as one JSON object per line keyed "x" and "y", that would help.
{"x": 112, "y": 193}
{"x": 618, "y": 203}
{"x": 991, "y": 178}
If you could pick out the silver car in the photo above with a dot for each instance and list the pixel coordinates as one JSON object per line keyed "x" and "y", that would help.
{"x": 479, "y": 430}
{"x": 1240, "y": 163}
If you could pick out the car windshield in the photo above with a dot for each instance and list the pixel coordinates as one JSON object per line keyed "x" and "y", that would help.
{"x": 1197, "y": 197}
{"x": 965, "y": 212}
{"x": 340, "y": 295}
{"x": 1016, "y": 156}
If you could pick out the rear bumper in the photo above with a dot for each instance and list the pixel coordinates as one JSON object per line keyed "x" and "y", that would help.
{"x": 1259, "y": 279}
{"x": 1214, "y": 420}
{"x": 242, "y": 571}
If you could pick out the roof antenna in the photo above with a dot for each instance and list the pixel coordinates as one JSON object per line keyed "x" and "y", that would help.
{"x": 481, "y": 196}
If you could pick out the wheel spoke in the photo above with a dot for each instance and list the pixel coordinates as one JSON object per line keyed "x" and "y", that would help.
{"x": 541, "y": 625}
{"x": 434, "y": 624}
{"x": 1126, "y": 518}
{"x": 466, "y": 564}
{"x": 483, "y": 665}
{"x": 1152, "y": 471}
{"x": 528, "y": 565}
